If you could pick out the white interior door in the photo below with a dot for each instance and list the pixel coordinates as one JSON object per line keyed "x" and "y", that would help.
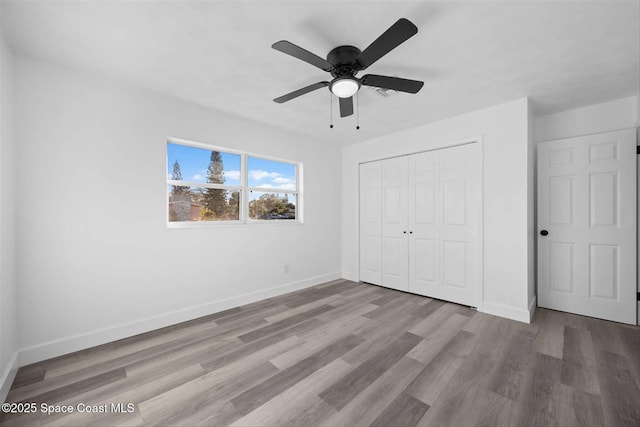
{"x": 394, "y": 223}
{"x": 444, "y": 223}
{"x": 587, "y": 225}
{"x": 371, "y": 222}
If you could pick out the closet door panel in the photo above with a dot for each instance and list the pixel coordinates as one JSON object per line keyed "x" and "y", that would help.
{"x": 394, "y": 223}
{"x": 371, "y": 222}
{"x": 424, "y": 219}
{"x": 459, "y": 231}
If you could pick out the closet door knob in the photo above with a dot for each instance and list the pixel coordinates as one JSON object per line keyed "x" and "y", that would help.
{"x": 544, "y": 233}
{"x": 404, "y": 232}
{"x": 411, "y": 232}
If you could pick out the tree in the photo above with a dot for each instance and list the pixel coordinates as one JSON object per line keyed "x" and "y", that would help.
{"x": 213, "y": 198}
{"x": 176, "y": 175}
{"x": 234, "y": 205}
{"x": 271, "y": 204}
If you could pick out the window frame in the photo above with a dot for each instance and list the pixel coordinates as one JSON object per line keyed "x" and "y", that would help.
{"x": 243, "y": 188}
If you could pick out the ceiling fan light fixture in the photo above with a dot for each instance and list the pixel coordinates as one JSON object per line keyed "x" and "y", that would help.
{"x": 344, "y": 87}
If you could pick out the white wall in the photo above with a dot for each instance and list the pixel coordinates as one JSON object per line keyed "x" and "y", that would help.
{"x": 609, "y": 116}
{"x": 95, "y": 257}
{"x": 532, "y": 218}
{"x": 507, "y": 211}
{"x": 8, "y": 286}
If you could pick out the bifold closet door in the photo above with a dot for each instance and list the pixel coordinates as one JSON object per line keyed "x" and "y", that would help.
{"x": 420, "y": 223}
{"x": 371, "y": 222}
{"x": 444, "y": 211}
{"x": 394, "y": 224}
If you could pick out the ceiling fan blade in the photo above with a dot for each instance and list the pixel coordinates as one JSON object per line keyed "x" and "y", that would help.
{"x": 397, "y": 34}
{"x": 346, "y": 106}
{"x": 297, "y": 93}
{"x": 395, "y": 83}
{"x": 302, "y": 54}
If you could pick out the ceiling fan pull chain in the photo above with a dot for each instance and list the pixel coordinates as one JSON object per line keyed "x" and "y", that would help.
{"x": 331, "y": 110}
{"x": 358, "y": 110}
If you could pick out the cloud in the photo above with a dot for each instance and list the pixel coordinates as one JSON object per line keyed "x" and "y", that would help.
{"x": 287, "y": 186}
{"x": 197, "y": 177}
{"x": 235, "y": 175}
{"x": 259, "y": 174}
{"x": 282, "y": 180}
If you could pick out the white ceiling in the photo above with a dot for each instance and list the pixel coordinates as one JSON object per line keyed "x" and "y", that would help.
{"x": 471, "y": 55}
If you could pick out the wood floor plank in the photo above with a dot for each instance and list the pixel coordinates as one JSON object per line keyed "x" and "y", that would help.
{"x": 134, "y": 390}
{"x": 392, "y": 308}
{"x": 437, "y": 337}
{"x": 476, "y": 406}
{"x": 217, "y": 360}
{"x": 288, "y": 407}
{"x": 350, "y": 354}
{"x": 630, "y": 338}
{"x": 550, "y": 338}
{"x": 369, "y": 404}
{"x": 579, "y": 367}
{"x": 380, "y": 337}
{"x": 386, "y": 298}
{"x": 437, "y": 374}
{"x": 466, "y": 400}
{"x": 437, "y": 318}
{"x": 285, "y": 323}
{"x": 195, "y": 397}
{"x": 588, "y": 408}
{"x": 261, "y": 313}
{"x": 540, "y": 400}
{"x": 316, "y": 340}
{"x": 80, "y": 387}
{"x": 328, "y": 300}
{"x": 266, "y": 390}
{"x": 185, "y": 356}
{"x": 216, "y": 383}
{"x": 29, "y": 375}
{"x": 620, "y": 394}
{"x": 508, "y": 376}
{"x": 53, "y": 397}
{"x": 343, "y": 391}
{"x": 82, "y": 359}
{"x": 404, "y": 411}
{"x": 426, "y": 310}
{"x": 363, "y": 305}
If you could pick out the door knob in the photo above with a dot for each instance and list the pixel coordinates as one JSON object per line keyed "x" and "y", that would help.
{"x": 544, "y": 233}
{"x": 404, "y": 232}
{"x": 411, "y": 232}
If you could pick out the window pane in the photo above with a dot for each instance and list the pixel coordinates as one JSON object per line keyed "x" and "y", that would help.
{"x": 272, "y": 205}
{"x": 185, "y": 163}
{"x": 271, "y": 174}
{"x": 203, "y": 204}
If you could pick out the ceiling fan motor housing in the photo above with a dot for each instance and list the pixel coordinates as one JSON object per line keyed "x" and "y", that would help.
{"x": 343, "y": 60}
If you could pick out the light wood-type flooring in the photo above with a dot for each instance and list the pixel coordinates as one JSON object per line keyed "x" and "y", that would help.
{"x": 349, "y": 354}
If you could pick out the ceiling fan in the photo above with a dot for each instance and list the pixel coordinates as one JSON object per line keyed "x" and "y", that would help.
{"x": 344, "y": 62}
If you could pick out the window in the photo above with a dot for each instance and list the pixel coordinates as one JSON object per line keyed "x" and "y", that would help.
{"x": 208, "y": 185}
{"x": 272, "y": 189}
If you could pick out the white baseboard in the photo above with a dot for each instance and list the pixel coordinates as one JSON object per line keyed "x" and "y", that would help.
{"x": 70, "y": 344}
{"x": 507, "y": 311}
{"x": 8, "y": 375}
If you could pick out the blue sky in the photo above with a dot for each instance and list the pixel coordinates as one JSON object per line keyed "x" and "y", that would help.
{"x": 267, "y": 174}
